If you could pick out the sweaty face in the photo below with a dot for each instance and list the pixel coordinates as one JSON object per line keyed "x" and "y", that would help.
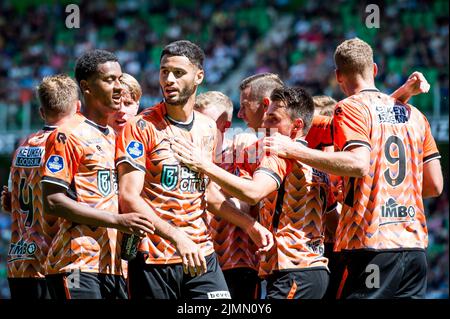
{"x": 128, "y": 109}
{"x": 177, "y": 76}
{"x": 105, "y": 89}
{"x": 251, "y": 110}
{"x": 277, "y": 119}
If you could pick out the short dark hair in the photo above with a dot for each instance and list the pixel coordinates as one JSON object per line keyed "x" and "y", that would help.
{"x": 185, "y": 48}
{"x": 262, "y": 84}
{"x": 87, "y": 64}
{"x": 299, "y": 104}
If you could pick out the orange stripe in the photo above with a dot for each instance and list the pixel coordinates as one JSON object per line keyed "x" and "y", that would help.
{"x": 341, "y": 285}
{"x": 257, "y": 291}
{"x": 292, "y": 291}
{"x": 66, "y": 288}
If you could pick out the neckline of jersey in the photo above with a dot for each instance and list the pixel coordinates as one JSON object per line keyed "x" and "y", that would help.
{"x": 185, "y": 126}
{"x": 102, "y": 129}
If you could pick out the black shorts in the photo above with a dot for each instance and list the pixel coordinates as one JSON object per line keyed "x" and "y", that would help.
{"x": 243, "y": 283}
{"x": 298, "y": 284}
{"x": 168, "y": 281}
{"x": 28, "y": 288}
{"x": 383, "y": 275}
{"x": 336, "y": 267}
{"x": 84, "y": 285}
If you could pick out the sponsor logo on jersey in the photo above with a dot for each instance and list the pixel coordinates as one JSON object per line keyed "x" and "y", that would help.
{"x": 55, "y": 163}
{"x": 29, "y": 156}
{"x": 396, "y": 114}
{"x": 219, "y": 295}
{"x": 135, "y": 149}
{"x": 21, "y": 250}
{"x": 188, "y": 180}
{"x": 397, "y": 213}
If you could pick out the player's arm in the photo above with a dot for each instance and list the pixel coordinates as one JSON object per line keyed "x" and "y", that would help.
{"x": 248, "y": 190}
{"x": 131, "y": 182}
{"x": 57, "y": 203}
{"x": 433, "y": 182}
{"x": 414, "y": 85}
{"x": 353, "y": 162}
{"x": 237, "y": 212}
{"x": 6, "y": 199}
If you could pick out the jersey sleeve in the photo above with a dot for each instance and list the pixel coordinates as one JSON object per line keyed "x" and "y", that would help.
{"x": 351, "y": 125}
{"x": 62, "y": 157}
{"x": 274, "y": 166}
{"x": 321, "y": 132}
{"x": 430, "y": 150}
{"x": 133, "y": 143}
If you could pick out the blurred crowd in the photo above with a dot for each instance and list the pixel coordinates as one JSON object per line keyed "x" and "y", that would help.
{"x": 134, "y": 30}
{"x": 413, "y": 35}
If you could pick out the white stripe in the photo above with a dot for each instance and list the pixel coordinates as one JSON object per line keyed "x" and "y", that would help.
{"x": 360, "y": 144}
{"x": 53, "y": 182}
{"x": 433, "y": 158}
{"x": 131, "y": 163}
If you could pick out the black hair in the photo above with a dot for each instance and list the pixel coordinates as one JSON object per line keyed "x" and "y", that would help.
{"x": 185, "y": 48}
{"x": 87, "y": 64}
{"x": 299, "y": 104}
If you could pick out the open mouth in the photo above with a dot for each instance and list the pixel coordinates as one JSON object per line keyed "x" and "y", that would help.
{"x": 116, "y": 99}
{"x": 120, "y": 122}
{"x": 171, "y": 91}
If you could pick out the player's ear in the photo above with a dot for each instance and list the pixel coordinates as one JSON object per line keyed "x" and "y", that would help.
{"x": 84, "y": 85}
{"x": 41, "y": 113}
{"x": 338, "y": 75}
{"x": 266, "y": 101}
{"x": 298, "y": 125}
{"x": 199, "y": 77}
{"x": 375, "y": 70}
{"x": 78, "y": 107}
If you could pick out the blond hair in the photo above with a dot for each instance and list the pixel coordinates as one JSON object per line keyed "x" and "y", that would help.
{"x": 57, "y": 94}
{"x": 261, "y": 84}
{"x": 324, "y": 105}
{"x": 132, "y": 86}
{"x": 214, "y": 98}
{"x": 354, "y": 56}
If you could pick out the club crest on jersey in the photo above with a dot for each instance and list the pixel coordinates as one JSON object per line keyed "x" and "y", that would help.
{"x": 55, "y": 163}
{"x": 104, "y": 182}
{"x": 169, "y": 177}
{"x": 135, "y": 149}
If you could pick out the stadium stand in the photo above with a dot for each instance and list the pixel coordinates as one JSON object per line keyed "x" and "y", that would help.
{"x": 36, "y": 43}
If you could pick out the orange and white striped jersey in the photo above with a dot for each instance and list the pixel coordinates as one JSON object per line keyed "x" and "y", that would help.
{"x": 296, "y": 215}
{"x": 171, "y": 189}
{"x": 31, "y": 231}
{"x": 234, "y": 247}
{"x": 79, "y": 156}
{"x": 384, "y": 209}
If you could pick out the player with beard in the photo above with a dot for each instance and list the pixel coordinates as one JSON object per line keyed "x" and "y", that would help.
{"x": 178, "y": 261}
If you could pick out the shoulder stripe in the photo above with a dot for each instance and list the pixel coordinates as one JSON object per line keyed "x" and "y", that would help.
{"x": 126, "y": 159}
